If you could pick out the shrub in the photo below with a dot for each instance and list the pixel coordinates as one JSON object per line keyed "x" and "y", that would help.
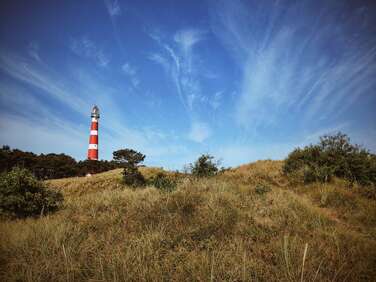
{"x": 337, "y": 199}
{"x": 22, "y": 195}
{"x": 262, "y": 189}
{"x": 204, "y": 166}
{"x": 333, "y": 156}
{"x": 129, "y": 160}
{"x": 163, "y": 182}
{"x": 133, "y": 177}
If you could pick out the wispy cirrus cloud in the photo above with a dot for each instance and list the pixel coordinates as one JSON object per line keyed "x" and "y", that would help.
{"x": 161, "y": 60}
{"x": 177, "y": 58}
{"x": 113, "y": 8}
{"x": 215, "y": 101}
{"x": 188, "y": 38}
{"x": 86, "y": 48}
{"x": 41, "y": 77}
{"x": 199, "y": 132}
{"x": 27, "y": 115}
{"x": 297, "y": 59}
{"x": 131, "y": 72}
{"x": 33, "y": 50}
{"x": 178, "y": 62}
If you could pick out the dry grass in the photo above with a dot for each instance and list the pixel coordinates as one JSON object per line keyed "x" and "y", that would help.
{"x": 223, "y": 228}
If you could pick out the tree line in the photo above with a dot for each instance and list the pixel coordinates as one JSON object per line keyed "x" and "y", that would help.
{"x": 51, "y": 166}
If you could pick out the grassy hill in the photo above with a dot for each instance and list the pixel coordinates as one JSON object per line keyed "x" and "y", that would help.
{"x": 247, "y": 224}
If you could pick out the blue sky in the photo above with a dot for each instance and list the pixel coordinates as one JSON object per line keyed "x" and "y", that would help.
{"x": 242, "y": 80}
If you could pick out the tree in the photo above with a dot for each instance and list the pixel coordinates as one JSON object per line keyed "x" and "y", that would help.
{"x": 22, "y": 195}
{"x": 204, "y": 166}
{"x": 335, "y": 156}
{"x": 130, "y": 159}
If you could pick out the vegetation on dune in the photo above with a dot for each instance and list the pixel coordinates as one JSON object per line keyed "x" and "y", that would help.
{"x": 163, "y": 182}
{"x": 334, "y": 156}
{"x": 51, "y": 166}
{"x": 250, "y": 223}
{"x": 129, "y": 160}
{"x": 22, "y": 195}
{"x": 204, "y": 166}
{"x": 246, "y": 224}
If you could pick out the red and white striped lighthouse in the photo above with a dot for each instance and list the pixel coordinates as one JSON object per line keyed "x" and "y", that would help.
{"x": 92, "y": 153}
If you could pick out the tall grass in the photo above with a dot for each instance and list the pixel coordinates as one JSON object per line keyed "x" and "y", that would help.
{"x": 217, "y": 229}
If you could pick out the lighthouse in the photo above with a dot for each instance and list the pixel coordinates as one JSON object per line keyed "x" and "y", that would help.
{"x": 92, "y": 153}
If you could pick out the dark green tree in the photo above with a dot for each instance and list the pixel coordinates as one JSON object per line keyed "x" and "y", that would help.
{"x": 333, "y": 156}
{"x": 204, "y": 166}
{"x": 130, "y": 159}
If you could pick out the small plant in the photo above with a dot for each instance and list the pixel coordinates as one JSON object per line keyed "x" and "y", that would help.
{"x": 163, "y": 182}
{"x": 22, "y": 195}
{"x": 262, "y": 189}
{"x": 132, "y": 177}
{"x": 129, "y": 159}
{"x": 204, "y": 166}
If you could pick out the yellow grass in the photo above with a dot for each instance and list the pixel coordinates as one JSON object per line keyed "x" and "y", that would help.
{"x": 217, "y": 229}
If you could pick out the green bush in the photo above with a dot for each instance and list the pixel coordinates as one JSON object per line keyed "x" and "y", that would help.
{"x": 262, "y": 189}
{"x": 129, "y": 159}
{"x": 204, "y": 166}
{"x": 163, "y": 182}
{"x": 132, "y": 177}
{"x": 22, "y": 195}
{"x": 334, "y": 156}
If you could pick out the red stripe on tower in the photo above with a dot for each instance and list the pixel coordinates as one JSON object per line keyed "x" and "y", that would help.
{"x": 92, "y": 153}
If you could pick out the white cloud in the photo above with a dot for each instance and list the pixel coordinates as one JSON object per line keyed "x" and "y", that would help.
{"x": 161, "y": 60}
{"x": 128, "y": 69}
{"x": 181, "y": 64}
{"x": 46, "y": 131}
{"x": 199, "y": 132}
{"x": 287, "y": 73}
{"x": 187, "y": 38}
{"x": 131, "y": 72}
{"x": 42, "y": 77}
{"x": 33, "y": 50}
{"x": 42, "y": 137}
{"x": 215, "y": 102}
{"x": 86, "y": 48}
{"x": 113, "y": 7}
{"x": 230, "y": 23}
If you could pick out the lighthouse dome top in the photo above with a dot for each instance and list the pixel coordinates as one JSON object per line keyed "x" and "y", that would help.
{"x": 95, "y": 112}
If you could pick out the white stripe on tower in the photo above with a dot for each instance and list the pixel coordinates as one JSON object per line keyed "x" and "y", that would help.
{"x": 93, "y": 146}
